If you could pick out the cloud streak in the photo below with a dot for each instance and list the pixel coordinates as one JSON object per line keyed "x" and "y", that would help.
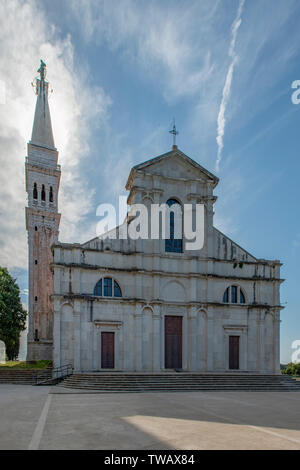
{"x": 228, "y": 82}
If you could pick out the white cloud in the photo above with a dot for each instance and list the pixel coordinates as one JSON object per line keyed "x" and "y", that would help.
{"x": 25, "y": 37}
{"x": 166, "y": 42}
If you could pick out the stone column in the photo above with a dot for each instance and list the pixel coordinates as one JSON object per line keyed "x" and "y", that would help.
{"x": 96, "y": 352}
{"x": 162, "y": 340}
{"x": 192, "y": 341}
{"x": 77, "y": 362}
{"x": 156, "y": 339}
{"x": 128, "y": 331}
{"x": 209, "y": 227}
{"x": 210, "y": 343}
{"x": 56, "y": 336}
{"x": 244, "y": 349}
{"x": 138, "y": 338}
{"x": 252, "y": 363}
{"x": 138, "y": 279}
{"x": 156, "y": 287}
{"x": 90, "y": 337}
{"x": 185, "y": 340}
{"x": 261, "y": 341}
{"x": 118, "y": 361}
{"x": 202, "y": 341}
{"x": 276, "y": 339}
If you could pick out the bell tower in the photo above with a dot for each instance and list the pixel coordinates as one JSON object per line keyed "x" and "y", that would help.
{"x": 42, "y": 222}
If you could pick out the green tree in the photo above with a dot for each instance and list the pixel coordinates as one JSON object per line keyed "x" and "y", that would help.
{"x": 12, "y": 314}
{"x": 292, "y": 368}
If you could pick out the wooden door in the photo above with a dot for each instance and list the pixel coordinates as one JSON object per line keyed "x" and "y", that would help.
{"x": 173, "y": 342}
{"x": 107, "y": 350}
{"x": 234, "y": 352}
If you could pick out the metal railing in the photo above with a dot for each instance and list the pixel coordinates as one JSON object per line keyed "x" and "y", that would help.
{"x": 58, "y": 373}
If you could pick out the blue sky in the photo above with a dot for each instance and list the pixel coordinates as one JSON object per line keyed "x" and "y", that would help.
{"x": 121, "y": 70}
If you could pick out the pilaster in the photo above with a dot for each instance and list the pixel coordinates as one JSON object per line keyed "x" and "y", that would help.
{"x": 77, "y": 338}
{"x": 261, "y": 341}
{"x": 156, "y": 338}
{"x": 56, "y": 335}
{"x": 193, "y": 335}
{"x": 276, "y": 338}
{"x": 138, "y": 338}
{"x": 210, "y": 342}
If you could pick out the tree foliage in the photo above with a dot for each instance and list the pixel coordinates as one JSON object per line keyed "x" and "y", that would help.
{"x": 12, "y": 314}
{"x": 292, "y": 369}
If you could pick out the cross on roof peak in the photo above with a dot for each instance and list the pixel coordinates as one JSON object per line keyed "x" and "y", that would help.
{"x": 174, "y": 132}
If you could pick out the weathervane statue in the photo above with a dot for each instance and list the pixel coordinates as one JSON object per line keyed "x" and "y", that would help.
{"x": 42, "y": 70}
{"x": 40, "y": 83}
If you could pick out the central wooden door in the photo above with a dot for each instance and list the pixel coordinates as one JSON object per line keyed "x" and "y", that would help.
{"x": 107, "y": 350}
{"x": 234, "y": 352}
{"x": 173, "y": 342}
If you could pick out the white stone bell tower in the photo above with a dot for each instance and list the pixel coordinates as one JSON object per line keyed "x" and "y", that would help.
{"x": 42, "y": 223}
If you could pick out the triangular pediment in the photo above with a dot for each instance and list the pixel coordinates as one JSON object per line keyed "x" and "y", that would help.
{"x": 174, "y": 164}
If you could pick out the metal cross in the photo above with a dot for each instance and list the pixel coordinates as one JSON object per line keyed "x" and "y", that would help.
{"x": 174, "y": 132}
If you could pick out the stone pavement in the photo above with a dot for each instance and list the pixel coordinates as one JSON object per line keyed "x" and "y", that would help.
{"x": 36, "y": 418}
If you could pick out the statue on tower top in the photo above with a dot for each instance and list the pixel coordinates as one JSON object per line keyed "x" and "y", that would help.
{"x": 40, "y": 83}
{"x": 42, "y": 70}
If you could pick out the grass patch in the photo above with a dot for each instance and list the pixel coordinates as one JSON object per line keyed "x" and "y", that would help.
{"x": 26, "y": 365}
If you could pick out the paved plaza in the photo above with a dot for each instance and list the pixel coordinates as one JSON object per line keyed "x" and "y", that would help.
{"x": 49, "y": 418}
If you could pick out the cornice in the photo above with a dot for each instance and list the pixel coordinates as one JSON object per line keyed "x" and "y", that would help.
{"x": 76, "y": 246}
{"x": 43, "y": 169}
{"x": 135, "y": 270}
{"x": 193, "y": 303}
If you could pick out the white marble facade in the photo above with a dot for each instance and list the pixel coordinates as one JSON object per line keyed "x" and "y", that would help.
{"x": 155, "y": 284}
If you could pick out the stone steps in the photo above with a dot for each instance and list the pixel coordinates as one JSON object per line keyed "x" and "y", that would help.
{"x": 22, "y": 377}
{"x": 177, "y": 382}
{"x": 184, "y": 375}
{"x": 172, "y": 382}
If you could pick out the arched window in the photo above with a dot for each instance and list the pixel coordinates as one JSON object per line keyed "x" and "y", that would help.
{"x": 234, "y": 295}
{"x": 35, "y": 192}
{"x": 51, "y": 194}
{"x": 226, "y": 295}
{"x": 43, "y": 194}
{"x": 98, "y": 288}
{"x": 107, "y": 287}
{"x": 117, "y": 290}
{"x": 173, "y": 244}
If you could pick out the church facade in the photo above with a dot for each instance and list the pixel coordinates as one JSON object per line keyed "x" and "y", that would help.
{"x": 151, "y": 305}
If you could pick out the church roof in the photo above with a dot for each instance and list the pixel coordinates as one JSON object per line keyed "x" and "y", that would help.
{"x": 174, "y": 152}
